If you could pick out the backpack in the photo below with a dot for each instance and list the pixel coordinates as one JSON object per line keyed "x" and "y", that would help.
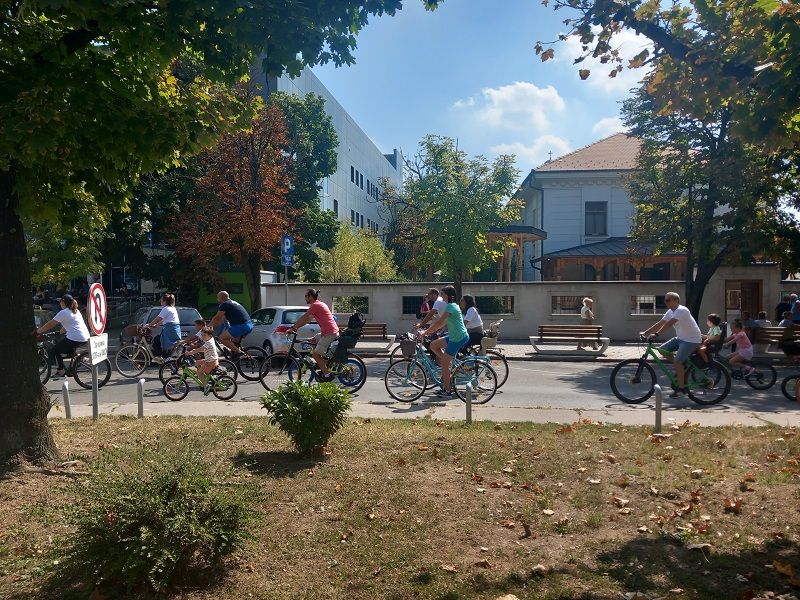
{"x": 356, "y": 321}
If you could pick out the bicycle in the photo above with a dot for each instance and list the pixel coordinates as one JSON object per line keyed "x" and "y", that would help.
{"x": 44, "y": 362}
{"x": 176, "y": 388}
{"x": 762, "y": 377}
{"x": 133, "y": 359}
{"x": 407, "y": 379}
{"x": 348, "y": 370}
{"x": 249, "y": 360}
{"x": 79, "y": 367}
{"x": 633, "y": 380}
{"x": 170, "y": 367}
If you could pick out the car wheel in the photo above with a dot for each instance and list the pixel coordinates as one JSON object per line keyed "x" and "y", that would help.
{"x": 268, "y": 347}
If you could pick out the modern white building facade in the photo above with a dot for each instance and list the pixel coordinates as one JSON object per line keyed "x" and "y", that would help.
{"x": 353, "y": 191}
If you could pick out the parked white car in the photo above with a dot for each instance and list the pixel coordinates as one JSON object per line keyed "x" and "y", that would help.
{"x": 271, "y": 324}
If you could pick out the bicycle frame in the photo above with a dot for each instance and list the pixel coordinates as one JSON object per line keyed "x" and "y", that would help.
{"x": 654, "y": 352}
{"x": 187, "y": 370}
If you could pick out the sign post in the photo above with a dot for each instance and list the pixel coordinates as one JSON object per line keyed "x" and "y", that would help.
{"x": 287, "y": 260}
{"x": 97, "y": 305}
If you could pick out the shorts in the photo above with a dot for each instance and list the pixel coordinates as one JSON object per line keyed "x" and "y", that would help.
{"x": 452, "y": 348}
{"x": 684, "y": 349}
{"x": 240, "y": 330}
{"x": 745, "y": 353}
{"x": 324, "y": 342}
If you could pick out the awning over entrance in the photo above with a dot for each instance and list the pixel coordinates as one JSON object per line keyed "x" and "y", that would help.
{"x": 518, "y": 235}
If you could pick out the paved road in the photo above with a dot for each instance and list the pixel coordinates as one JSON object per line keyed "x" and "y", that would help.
{"x": 534, "y": 388}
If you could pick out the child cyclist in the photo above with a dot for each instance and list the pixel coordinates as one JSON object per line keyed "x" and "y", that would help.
{"x": 210, "y": 358}
{"x": 713, "y": 335}
{"x": 744, "y": 348}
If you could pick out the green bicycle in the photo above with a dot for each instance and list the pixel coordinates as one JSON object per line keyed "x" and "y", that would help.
{"x": 633, "y": 380}
{"x": 222, "y": 386}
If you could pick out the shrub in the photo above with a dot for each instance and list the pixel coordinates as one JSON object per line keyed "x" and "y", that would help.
{"x": 308, "y": 414}
{"x": 156, "y": 518}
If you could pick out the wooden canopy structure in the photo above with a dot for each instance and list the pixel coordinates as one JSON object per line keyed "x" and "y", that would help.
{"x": 518, "y": 235}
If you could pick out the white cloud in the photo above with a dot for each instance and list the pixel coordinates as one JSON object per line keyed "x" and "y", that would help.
{"x": 535, "y": 154}
{"x": 520, "y": 106}
{"x": 629, "y": 45}
{"x": 608, "y": 126}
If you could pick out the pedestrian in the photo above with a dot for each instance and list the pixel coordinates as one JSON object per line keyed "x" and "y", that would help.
{"x": 761, "y": 321}
{"x": 77, "y": 332}
{"x": 795, "y": 309}
{"x": 688, "y": 337}
{"x": 782, "y": 307}
{"x": 171, "y": 326}
{"x": 424, "y": 308}
{"x": 587, "y": 318}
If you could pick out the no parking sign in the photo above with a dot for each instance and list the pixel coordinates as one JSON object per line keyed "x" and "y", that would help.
{"x": 98, "y": 308}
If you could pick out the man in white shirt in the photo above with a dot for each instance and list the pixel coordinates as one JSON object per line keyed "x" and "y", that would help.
{"x": 437, "y": 307}
{"x": 688, "y": 336}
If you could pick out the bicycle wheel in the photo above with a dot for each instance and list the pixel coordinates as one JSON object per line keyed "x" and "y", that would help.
{"x": 405, "y": 380}
{"x": 352, "y": 374}
{"x": 716, "y": 383}
{"x": 250, "y": 362}
{"x": 480, "y": 374}
{"x": 763, "y": 376}
{"x": 277, "y": 369}
{"x": 82, "y": 372}
{"x": 789, "y": 387}
{"x": 44, "y": 365}
{"x": 633, "y": 381}
{"x": 301, "y": 371}
{"x": 131, "y": 360}
{"x": 228, "y": 368}
{"x": 176, "y": 388}
{"x": 169, "y": 368}
{"x": 224, "y": 387}
{"x": 499, "y": 363}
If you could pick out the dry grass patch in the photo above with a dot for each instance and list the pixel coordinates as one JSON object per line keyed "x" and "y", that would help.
{"x": 426, "y": 509}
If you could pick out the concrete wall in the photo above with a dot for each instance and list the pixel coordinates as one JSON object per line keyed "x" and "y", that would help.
{"x": 532, "y": 300}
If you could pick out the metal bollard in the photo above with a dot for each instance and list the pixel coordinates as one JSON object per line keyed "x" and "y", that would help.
{"x": 469, "y": 403}
{"x": 65, "y": 396}
{"x": 657, "y": 389}
{"x": 140, "y": 392}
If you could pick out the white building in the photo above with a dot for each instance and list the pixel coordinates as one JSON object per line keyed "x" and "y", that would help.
{"x": 352, "y": 192}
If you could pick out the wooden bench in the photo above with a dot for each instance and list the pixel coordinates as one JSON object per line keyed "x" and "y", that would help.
{"x": 773, "y": 337}
{"x": 569, "y": 335}
{"x": 374, "y": 339}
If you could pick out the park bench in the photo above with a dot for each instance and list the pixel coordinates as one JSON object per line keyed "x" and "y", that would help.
{"x": 374, "y": 339}
{"x": 775, "y": 337}
{"x": 569, "y": 335}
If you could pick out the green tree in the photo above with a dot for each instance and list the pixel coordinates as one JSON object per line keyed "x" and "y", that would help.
{"x": 741, "y": 55}
{"x": 357, "y": 256}
{"x": 93, "y": 95}
{"x": 449, "y": 204}
{"x": 698, "y": 190}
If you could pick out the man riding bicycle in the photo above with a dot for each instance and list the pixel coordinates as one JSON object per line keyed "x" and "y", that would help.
{"x": 239, "y": 323}
{"x": 329, "y": 330}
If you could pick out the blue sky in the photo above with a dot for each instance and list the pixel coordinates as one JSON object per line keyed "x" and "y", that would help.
{"x": 469, "y": 71}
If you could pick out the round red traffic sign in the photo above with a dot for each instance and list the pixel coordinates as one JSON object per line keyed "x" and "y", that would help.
{"x": 98, "y": 308}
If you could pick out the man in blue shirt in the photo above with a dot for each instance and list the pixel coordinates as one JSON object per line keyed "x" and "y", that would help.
{"x": 239, "y": 323}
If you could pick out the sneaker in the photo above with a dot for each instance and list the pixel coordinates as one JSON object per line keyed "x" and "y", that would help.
{"x": 443, "y": 393}
{"x": 678, "y": 393}
{"x": 58, "y": 376}
{"x": 207, "y": 389}
{"x": 323, "y": 378}
{"x": 748, "y": 371}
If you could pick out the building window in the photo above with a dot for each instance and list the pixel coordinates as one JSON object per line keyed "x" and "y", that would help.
{"x": 566, "y": 305}
{"x": 494, "y": 305}
{"x": 362, "y": 222}
{"x": 647, "y": 305}
{"x": 596, "y": 218}
{"x": 352, "y": 217}
{"x": 336, "y": 207}
{"x": 352, "y": 174}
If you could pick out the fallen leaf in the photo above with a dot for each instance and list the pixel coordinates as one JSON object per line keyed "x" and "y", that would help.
{"x": 734, "y": 506}
{"x": 422, "y": 448}
{"x": 698, "y": 547}
{"x": 484, "y": 564}
{"x": 548, "y": 512}
{"x": 539, "y": 570}
{"x": 449, "y": 568}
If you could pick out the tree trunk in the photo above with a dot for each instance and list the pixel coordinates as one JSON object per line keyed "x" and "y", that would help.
{"x": 251, "y": 264}
{"x": 25, "y": 434}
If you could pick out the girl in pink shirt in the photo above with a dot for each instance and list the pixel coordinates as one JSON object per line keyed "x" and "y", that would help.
{"x": 744, "y": 348}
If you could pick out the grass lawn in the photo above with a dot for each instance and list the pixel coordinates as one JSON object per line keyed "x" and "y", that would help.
{"x": 426, "y": 509}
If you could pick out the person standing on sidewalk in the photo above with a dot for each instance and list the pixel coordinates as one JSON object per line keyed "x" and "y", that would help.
{"x": 688, "y": 337}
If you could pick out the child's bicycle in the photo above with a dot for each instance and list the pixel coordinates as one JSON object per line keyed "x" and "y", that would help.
{"x": 407, "y": 379}
{"x": 762, "y": 377}
{"x": 222, "y": 386}
{"x": 348, "y": 370}
{"x": 633, "y": 380}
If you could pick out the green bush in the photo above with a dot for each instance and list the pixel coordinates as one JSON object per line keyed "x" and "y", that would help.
{"x": 156, "y": 519}
{"x": 308, "y": 414}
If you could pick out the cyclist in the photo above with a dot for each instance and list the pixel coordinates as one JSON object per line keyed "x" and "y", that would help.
{"x": 239, "y": 323}
{"x": 448, "y": 346}
{"x": 171, "y": 330}
{"x": 688, "y": 337}
{"x": 472, "y": 320}
{"x": 210, "y": 359}
{"x": 77, "y": 332}
{"x": 329, "y": 330}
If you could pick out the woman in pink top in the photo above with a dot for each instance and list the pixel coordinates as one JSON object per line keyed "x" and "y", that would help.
{"x": 329, "y": 330}
{"x": 744, "y": 348}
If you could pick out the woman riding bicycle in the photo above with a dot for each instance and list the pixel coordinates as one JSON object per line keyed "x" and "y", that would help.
{"x": 77, "y": 332}
{"x": 472, "y": 320}
{"x": 448, "y": 346}
{"x": 171, "y": 330}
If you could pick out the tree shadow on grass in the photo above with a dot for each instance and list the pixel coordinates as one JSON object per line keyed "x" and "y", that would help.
{"x": 276, "y": 464}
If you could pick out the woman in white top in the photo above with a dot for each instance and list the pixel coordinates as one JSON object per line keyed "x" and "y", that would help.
{"x": 77, "y": 332}
{"x": 171, "y": 330}
{"x": 472, "y": 320}
{"x": 587, "y": 318}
